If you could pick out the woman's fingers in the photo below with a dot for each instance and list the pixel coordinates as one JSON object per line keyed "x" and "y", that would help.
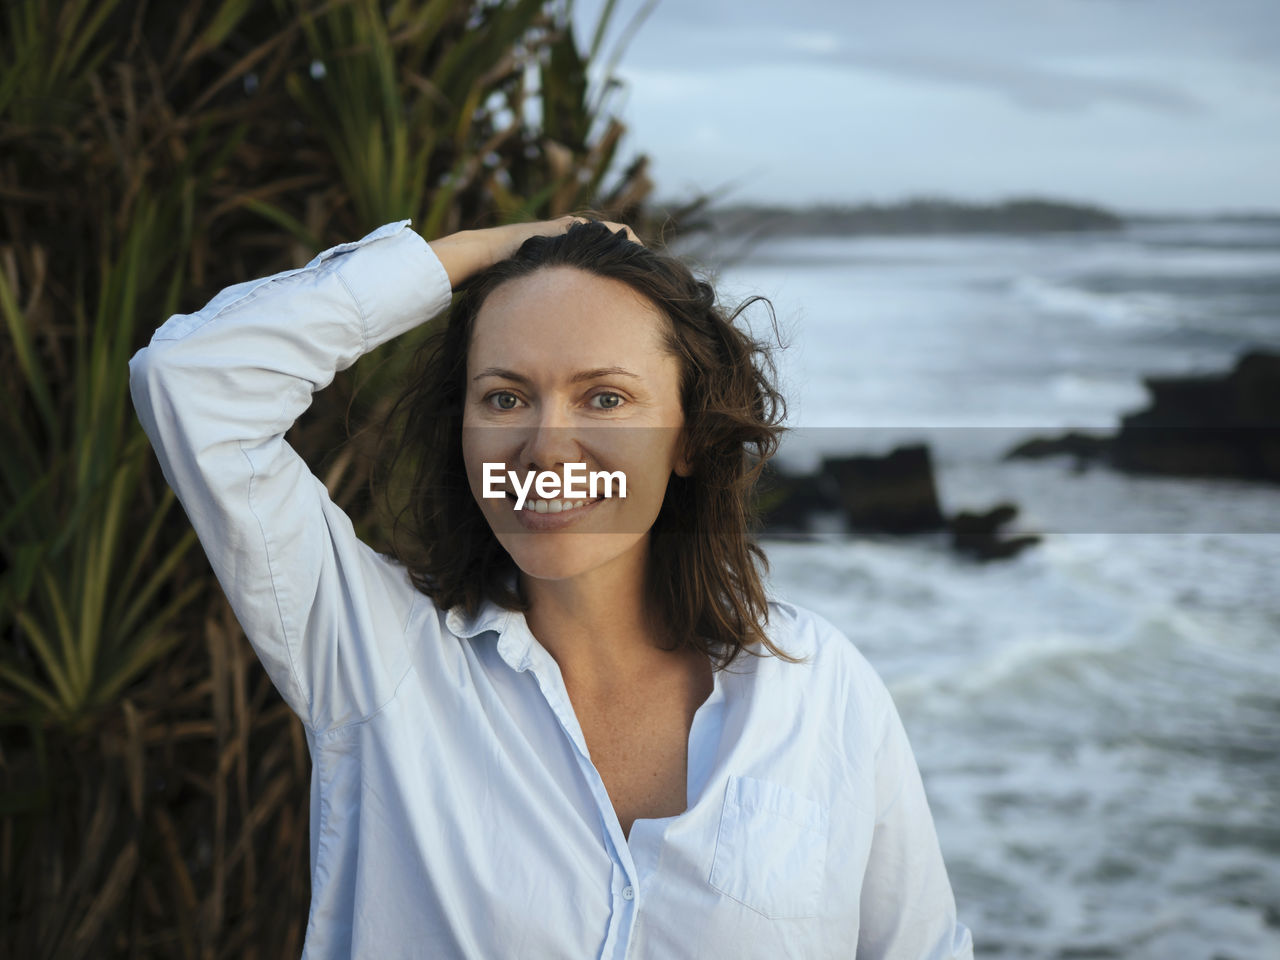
{"x": 570, "y": 220}
{"x": 466, "y": 253}
{"x": 615, "y": 227}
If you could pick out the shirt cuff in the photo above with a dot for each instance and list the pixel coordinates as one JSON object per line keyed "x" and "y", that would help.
{"x": 396, "y": 280}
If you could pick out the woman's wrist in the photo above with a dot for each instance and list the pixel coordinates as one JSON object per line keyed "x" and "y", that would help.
{"x": 468, "y": 252}
{"x": 462, "y": 254}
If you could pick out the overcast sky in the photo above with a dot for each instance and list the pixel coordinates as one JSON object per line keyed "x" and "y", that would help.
{"x": 1144, "y": 105}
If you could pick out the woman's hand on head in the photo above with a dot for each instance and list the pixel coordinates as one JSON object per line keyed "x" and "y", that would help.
{"x": 467, "y": 252}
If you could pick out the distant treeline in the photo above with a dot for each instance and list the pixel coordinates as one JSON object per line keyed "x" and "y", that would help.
{"x": 918, "y": 216}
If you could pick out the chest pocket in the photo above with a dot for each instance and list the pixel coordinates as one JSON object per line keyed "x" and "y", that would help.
{"x": 771, "y": 851}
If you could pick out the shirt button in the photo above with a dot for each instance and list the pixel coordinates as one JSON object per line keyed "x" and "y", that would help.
{"x": 628, "y": 893}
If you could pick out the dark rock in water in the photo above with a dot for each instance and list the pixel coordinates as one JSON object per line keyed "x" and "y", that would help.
{"x": 978, "y": 534}
{"x": 1208, "y": 426}
{"x": 1225, "y": 425}
{"x": 1084, "y": 447}
{"x": 1248, "y": 396}
{"x": 894, "y": 493}
{"x": 968, "y": 523}
{"x": 789, "y": 502}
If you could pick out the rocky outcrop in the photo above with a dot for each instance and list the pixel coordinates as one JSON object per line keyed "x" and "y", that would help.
{"x": 1225, "y": 425}
{"x": 979, "y": 535}
{"x": 1083, "y": 447}
{"x": 894, "y": 493}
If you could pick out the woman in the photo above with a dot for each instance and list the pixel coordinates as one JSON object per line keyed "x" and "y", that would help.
{"x": 539, "y": 739}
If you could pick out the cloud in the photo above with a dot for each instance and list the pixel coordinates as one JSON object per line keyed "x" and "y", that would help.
{"x": 1015, "y": 35}
{"x": 1138, "y": 103}
{"x": 1053, "y": 55}
{"x": 1034, "y": 86}
{"x": 814, "y": 41}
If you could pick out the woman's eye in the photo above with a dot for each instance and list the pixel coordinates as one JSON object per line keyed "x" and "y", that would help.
{"x": 506, "y": 400}
{"x": 608, "y": 401}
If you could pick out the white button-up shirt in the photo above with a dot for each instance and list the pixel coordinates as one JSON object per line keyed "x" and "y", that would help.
{"x": 455, "y": 810}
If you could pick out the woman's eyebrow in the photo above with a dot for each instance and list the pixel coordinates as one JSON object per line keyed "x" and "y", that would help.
{"x": 578, "y": 377}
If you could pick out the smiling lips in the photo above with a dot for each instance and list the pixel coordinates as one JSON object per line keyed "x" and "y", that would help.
{"x": 552, "y": 506}
{"x": 550, "y": 514}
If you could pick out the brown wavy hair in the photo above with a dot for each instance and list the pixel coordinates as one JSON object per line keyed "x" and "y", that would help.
{"x": 702, "y": 577}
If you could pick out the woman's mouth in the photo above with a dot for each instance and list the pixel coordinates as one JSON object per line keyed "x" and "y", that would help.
{"x": 537, "y": 514}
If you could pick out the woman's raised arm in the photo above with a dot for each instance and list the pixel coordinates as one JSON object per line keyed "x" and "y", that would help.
{"x": 217, "y": 389}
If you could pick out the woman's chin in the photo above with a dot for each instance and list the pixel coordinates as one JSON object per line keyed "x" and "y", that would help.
{"x": 562, "y": 556}
{"x": 552, "y": 564}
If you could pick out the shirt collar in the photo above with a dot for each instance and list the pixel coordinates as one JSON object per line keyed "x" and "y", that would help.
{"x": 515, "y": 640}
{"x": 490, "y": 616}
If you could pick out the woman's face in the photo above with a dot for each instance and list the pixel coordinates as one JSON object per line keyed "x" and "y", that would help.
{"x": 568, "y": 367}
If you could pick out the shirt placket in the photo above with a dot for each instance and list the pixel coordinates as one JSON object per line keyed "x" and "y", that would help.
{"x": 647, "y": 835}
{"x": 624, "y": 876}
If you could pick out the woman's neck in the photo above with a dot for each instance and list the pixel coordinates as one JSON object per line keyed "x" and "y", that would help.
{"x": 598, "y": 626}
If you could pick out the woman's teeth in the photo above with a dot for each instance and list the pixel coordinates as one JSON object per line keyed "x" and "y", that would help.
{"x": 553, "y": 506}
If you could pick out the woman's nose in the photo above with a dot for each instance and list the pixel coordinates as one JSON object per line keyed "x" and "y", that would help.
{"x": 551, "y": 440}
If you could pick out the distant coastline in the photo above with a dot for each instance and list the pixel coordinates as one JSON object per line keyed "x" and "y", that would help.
{"x": 918, "y": 216}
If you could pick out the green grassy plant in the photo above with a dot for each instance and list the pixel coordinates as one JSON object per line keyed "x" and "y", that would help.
{"x": 154, "y": 785}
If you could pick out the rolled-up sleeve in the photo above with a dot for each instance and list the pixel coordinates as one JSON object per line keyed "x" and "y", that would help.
{"x": 216, "y": 391}
{"x": 907, "y": 906}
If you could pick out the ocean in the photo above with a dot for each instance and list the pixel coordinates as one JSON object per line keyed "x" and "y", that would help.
{"x": 1098, "y": 719}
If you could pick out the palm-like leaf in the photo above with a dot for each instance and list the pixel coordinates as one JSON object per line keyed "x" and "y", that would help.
{"x": 151, "y": 154}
